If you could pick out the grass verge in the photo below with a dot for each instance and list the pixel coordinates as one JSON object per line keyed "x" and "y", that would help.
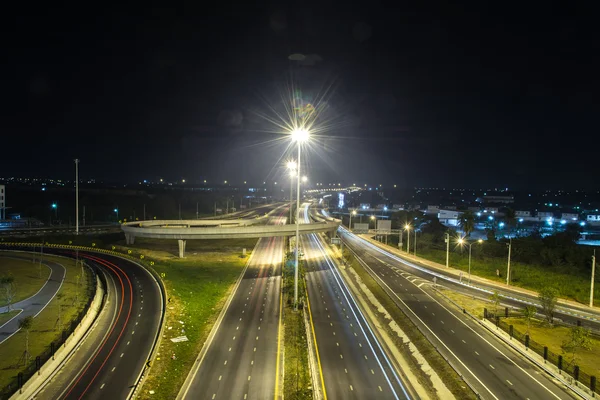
{"x": 45, "y": 328}
{"x": 29, "y": 277}
{"x": 447, "y": 374}
{"x": 197, "y": 288}
{"x": 297, "y": 384}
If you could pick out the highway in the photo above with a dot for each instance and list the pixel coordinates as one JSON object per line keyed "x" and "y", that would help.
{"x": 354, "y": 366}
{"x": 511, "y": 297}
{"x": 240, "y": 359}
{"x": 111, "y": 359}
{"x": 492, "y": 369}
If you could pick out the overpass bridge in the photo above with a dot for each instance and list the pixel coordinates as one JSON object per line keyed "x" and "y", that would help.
{"x": 183, "y": 230}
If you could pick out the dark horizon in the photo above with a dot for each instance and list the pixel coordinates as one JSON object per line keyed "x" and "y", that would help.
{"x": 446, "y": 97}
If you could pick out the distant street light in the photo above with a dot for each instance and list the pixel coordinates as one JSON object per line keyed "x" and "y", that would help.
{"x": 299, "y": 136}
{"x": 304, "y": 179}
{"x": 116, "y": 210}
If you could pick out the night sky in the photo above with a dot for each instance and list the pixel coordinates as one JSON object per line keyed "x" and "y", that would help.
{"x": 449, "y": 97}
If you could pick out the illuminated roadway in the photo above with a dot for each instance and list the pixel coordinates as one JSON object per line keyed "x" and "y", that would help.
{"x": 495, "y": 371}
{"x": 353, "y": 363}
{"x": 109, "y": 361}
{"x": 240, "y": 360}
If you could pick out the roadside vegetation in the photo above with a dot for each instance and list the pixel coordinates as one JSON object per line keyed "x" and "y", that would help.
{"x": 297, "y": 384}
{"x": 28, "y": 278}
{"x": 197, "y": 289}
{"x": 37, "y": 334}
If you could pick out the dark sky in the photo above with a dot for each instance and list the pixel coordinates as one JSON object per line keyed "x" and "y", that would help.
{"x": 449, "y": 96}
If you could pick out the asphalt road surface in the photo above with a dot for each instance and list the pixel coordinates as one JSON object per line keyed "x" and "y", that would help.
{"x": 241, "y": 360}
{"x": 111, "y": 359}
{"x": 570, "y": 313}
{"x": 33, "y": 305}
{"x": 495, "y": 371}
{"x": 353, "y": 362}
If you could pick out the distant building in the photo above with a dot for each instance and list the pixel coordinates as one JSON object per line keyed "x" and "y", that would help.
{"x": 2, "y": 202}
{"x": 432, "y": 210}
{"x": 474, "y": 209}
{"x": 569, "y": 216}
{"x": 399, "y": 207}
{"x": 491, "y": 210}
{"x": 449, "y": 217}
{"x": 522, "y": 214}
{"x": 365, "y": 206}
{"x": 507, "y": 199}
{"x": 593, "y": 219}
{"x": 545, "y": 215}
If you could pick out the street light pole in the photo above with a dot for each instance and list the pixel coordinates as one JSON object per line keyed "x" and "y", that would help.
{"x": 509, "y": 244}
{"x": 593, "y": 276}
{"x": 77, "y": 196}
{"x": 297, "y": 227}
{"x": 415, "y": 242}
{"x": 407, "y": 227}
{"x": 291, "y": 194}
{"x": 447, "y": 250}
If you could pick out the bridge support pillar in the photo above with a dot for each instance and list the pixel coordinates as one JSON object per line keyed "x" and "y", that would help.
{"x": 129, "y": 238}
{"x": 181, "y": 248}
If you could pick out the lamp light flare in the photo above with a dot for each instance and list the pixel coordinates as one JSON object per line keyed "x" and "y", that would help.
{"x": 300, "y": 135}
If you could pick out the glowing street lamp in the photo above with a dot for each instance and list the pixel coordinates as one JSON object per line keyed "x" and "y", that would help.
{"x": 299, "y": 135}
{"x": 116, "y": 210}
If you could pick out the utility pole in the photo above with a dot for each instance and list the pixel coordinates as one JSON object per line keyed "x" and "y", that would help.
{"x": 144, "y": 211}
{"x": 297, "y": 229}
{"x": 180, "y": 211}
{"x": 415, "y": 241}
{"x": 215, "y": 208}
{"x": 407, "y": 240}
{"x": 227, "y": 209}
{"x": 593, "y": 277}
{"x": 83, "y": 216}
{"x": 400, "y": 238}
{"x": 291, "y": 195}
{"x": 76, "y": 196}
{"x": 447, "y": 250}
{"x": 509, "y": 244}
{"x": 196, "y": 210}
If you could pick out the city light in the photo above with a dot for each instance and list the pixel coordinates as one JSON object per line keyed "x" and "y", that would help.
{"x": 53, "y": 205}
{"x": 501, "y": 224}
{"x": 582, "y": 223}
{"x": 563, "y": 222}
{"x": 521, "y": 219}
{"x": 291, "y": 165}
{"x": 491, "y": 218}
{"x": 304, "y": 179}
